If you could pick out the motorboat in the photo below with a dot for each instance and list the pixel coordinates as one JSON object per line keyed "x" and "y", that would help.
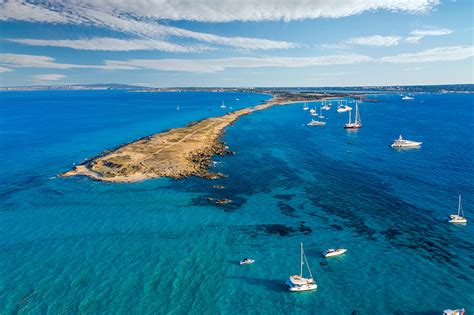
{"x": 316, "y": 123}
{"x": 403, "y": 143}
{"x": 334, "y": 252}
{"x": 298, "y": 283}
{"x": 459, "y": 217}
{"x": 247, "y": 261}
{"x": 357, "y": 122}
{"x": 459, "y": 311}
{"x": 407, "y": 98}
{"x": 312, "y": 111}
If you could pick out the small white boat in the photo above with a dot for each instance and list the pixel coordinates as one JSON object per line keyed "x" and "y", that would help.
{"x": 305, "y": 107}
{"x": 402, "y": 143}
{"x": 316, "y": 123}
{"x": 344, "y": 109}
{"x": 223, "y": 105}
{"x": 334, "y": 252}
{"x": 325, "y": 106}
{"x": 312, "y": 111}
{"x": 459, "y": 311}
{"x": 407, "y": 98}
{"x": 247, "y": 261}
{"x": 297, "y": 283}
{"x": 321, "y": 113}
{"x": 458, "y": 218}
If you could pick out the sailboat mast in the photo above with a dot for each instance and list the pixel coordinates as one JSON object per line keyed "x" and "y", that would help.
{"x": 307, "y": 265}
{"x": 350, "y": 116}
{"x": 357, "y": 117}
{"x": 460, "y": 210}
{"x": 301, "y": 261}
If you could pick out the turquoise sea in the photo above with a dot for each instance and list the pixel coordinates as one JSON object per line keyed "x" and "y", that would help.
{"x": 78, "y": 246}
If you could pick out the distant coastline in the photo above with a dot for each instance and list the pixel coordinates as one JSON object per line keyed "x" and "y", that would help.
{"x": 446, "y": 88}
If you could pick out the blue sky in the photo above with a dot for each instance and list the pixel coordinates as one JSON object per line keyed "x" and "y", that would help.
{"x": 236, "y": 43}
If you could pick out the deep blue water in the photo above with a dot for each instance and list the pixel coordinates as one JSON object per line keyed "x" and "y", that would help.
{"x": 74, "y": 245}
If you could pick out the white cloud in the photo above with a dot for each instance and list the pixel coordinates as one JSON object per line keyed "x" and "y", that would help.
{"x": 112, "y": 44}
{"x": 23, "y": 11}
{"x": 34, "y": 61}
{"x": 413, "y": 39}
{"x": 5, "y": 69}
{"x": 418, "y": 34}
{"x": 244, "y": 10}
{"x": 113, "y": 16}
{"x": 432, "y": 55}
{"x": 431, "y": 32}
{"x": 215, "y": 65}
{"x": 142, "y": 17}
{"x": 375, "y": 40}
{"x": 48, "y": 77}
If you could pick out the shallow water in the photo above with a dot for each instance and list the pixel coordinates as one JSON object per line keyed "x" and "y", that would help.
{"x": 81, "y": 246}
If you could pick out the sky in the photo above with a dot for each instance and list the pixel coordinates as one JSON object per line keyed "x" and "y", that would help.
{"x": 244, "y": 43}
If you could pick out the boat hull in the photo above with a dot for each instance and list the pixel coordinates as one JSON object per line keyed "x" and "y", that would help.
{"x": 334, "y": 253}
{"x": 301, "y": 287}
{"x": 352, "y": 126}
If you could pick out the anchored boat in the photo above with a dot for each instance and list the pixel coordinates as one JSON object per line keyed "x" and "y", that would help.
{"x": 297, "y": 283}
{"x": 357, "y": 122}
{"x": 402, "y": 143}
{"x": 334, "y": 252}
{"x": 316, "y": 123}
{"x": 247, "y": 261}
{"x": 458, "y": 218}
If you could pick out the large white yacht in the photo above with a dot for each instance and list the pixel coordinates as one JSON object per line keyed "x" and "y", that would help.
{"x": 402, "y": 143}
{"x": 458, "y": 218}
{"x": 297, "y": 283}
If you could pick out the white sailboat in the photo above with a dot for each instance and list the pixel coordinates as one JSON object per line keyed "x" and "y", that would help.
{"x": 297, "y": 283}
{"x": 177, "y": 107}
{"x": 343, "y": 108}
{"x": 458, "y": 218}
{"x": 321, "y": 112}
{"x": 223, "y": 105}
{"x": 326, "y": 106}
{"x": 357, "y": 122}
{"x": 305, "y": 106}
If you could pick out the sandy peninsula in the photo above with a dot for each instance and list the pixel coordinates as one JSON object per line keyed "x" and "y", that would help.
{"x": 176, "y": 153}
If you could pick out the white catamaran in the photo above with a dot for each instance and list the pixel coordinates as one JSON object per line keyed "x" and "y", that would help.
{"x": 298, "y": 283}
{"x": 458, "y": 218}
{"x": 357, "y": 122}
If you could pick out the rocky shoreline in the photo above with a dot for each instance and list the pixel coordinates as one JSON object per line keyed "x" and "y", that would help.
{"x": 176, "y": 153}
